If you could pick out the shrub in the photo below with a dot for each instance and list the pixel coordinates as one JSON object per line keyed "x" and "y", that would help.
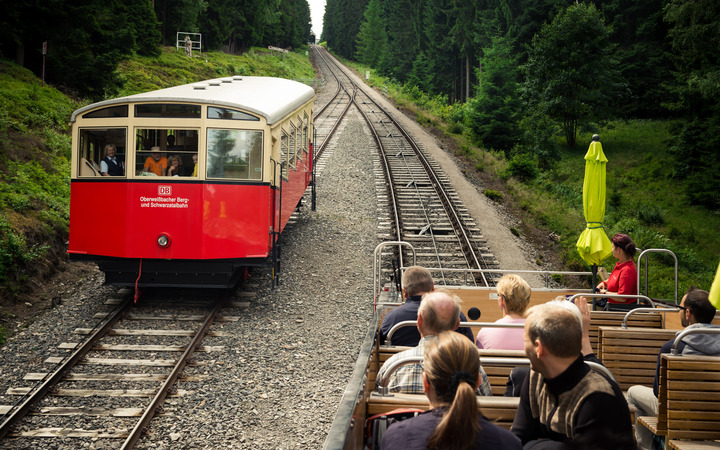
{"x": 495, "y": 196}
{"x": 523, "y": 167}
{"x": 651, "y": 214}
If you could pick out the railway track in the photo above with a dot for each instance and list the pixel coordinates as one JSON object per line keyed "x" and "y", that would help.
{"x": 113, "y": 382}
{"x": 422, "y": 206}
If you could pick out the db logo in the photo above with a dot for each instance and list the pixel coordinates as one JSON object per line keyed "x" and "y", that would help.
{"x": 165, "y": 190}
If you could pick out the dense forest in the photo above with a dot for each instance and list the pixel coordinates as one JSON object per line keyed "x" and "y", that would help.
{"x": 526, "y": 71}
{"x": 87, "y": 39}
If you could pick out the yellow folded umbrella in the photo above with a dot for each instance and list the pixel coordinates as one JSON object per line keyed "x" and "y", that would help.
{"x": 593, "y": 244}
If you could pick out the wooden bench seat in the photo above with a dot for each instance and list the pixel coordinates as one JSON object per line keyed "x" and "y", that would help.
{"x": 693, "y": 400}
{"x": 499, "y": 410}
{"x": 631, "y": 354}
{"x": 615, "y": 318}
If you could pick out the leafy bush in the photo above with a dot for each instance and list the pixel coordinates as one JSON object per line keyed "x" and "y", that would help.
{"x": 495, "y": 196}
{"x": 651, "y": 214}
{"x": 523, "y": 167}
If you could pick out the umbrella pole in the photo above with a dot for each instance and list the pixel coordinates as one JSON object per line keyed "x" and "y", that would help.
{"x": 594, "y": 269}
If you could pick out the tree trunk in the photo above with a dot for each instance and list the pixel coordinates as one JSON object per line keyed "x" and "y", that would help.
{"x": 20, "y": 54}
{"x": 467, "y": 77}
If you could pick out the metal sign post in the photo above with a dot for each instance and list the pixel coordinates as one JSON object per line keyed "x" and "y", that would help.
{"x": 44, "y": 52}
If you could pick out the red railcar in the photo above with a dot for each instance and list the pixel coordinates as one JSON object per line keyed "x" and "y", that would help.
{"x": 187, "y": 186}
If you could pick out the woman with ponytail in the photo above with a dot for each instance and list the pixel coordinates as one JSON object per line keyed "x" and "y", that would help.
{"x": 623, "y": 278}
{"x": 451, "y": 374}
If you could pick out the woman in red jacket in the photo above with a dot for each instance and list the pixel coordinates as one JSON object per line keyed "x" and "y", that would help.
{"x": 623, "y": 278}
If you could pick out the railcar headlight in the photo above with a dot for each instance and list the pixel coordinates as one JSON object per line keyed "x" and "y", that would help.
{"x": 163, "y": 241}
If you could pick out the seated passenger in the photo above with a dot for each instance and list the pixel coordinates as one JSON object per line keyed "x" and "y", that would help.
{"x": 195, "y": 162}
{"x": 563, "y": 402}
{"x": 171, "y": 147}
{"x": 696, "y": 311}
{"x": 439, "y": 311}
{"x": 623, "y": 278}
{"x": 175, "y": 168}
{"x": 111, "y": 165}
{"x": 156, "y": 163}
{"x": 513, "y": 299}
{"x": 416, "y": 281}
{"x": 579, "y": 307}
{"x": 450, "y": 376}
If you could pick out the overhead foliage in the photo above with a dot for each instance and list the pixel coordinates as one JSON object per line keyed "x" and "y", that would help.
{"x": 87, "y": 40}
{"x": 571, "y": 74}
{"x": 372, "y": 37}
{"x": 493, "y": 114}
{"x": 695, "y": 34}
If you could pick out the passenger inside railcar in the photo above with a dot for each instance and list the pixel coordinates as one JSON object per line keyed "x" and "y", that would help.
{"x": 195, "y": 165}
{"x": 175, "y": 167}
{"x": 111, "y": 164}
{"x": 155, "y": 163}
{"x": 451, "y": 374}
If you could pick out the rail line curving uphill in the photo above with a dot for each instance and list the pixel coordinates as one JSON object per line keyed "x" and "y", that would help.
{"x": 422, "y": 205}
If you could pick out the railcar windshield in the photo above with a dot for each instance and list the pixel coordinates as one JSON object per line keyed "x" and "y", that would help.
{"x": 235, "y": 154}
{"x": 102, "y": 148}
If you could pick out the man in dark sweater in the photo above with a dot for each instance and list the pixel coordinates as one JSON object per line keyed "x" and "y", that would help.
{"x": 563, "y": 402}
{"x": 416, "y": 281}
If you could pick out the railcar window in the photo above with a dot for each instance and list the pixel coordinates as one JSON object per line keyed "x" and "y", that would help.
{"x": 177, "y": 110}
{"x": 229, "y": 114}
{"x": 284, "y": 155}
{"x": 110, "y": 111}
{"x": 92, "y": 150}
{"x": 292, "y": 150}
{"x": 168, "y": 144}
{"x": 235, "y": 154}
{"x": 299, "y": 151}
{"x": 306, "y": 141}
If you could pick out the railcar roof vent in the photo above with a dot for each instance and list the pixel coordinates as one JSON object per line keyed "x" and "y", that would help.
{"x": 237, "y": 78}
{"x": 227, "y": 80}
{"x": 200, "y": 86}
{"x": 214, "y": 82}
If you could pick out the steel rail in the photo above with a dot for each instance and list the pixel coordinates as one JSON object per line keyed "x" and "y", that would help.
{"x": 448, "y": 204}
{"x": 159, "y": 398}
{"x": 337, "y": 91}
{"x": 60, "y": 372}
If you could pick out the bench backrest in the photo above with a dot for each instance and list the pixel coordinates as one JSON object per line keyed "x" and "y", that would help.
{"x": 497, "y": 373}
{"x": 690, "y": 397}
{"x": 615, "y": 318}
{"x": 486, "y": 300}
{"x": 499, "y": 410}
{"x": 631, "y": 354}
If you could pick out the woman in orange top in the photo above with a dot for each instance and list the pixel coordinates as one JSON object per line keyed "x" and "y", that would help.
{"x": 623, "y": 278}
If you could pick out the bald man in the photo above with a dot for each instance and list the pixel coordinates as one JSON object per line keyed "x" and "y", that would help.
{"x": 439, "y": 311}
{"x": 416, "y": 281}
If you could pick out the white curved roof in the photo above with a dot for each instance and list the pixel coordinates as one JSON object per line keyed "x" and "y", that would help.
{"x": 271, "y": 98}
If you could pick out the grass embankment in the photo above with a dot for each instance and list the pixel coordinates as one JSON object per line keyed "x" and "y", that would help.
{"x": 35, "y": 148}
{"x": 643, "y": 199}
